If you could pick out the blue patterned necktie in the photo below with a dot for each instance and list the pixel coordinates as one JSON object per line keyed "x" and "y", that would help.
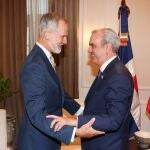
{"x": 100, "y": 75}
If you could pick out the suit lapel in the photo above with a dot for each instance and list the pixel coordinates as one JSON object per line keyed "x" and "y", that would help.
{"x": 96, "y": 82}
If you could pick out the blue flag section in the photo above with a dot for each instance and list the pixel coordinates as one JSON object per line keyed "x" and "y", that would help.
{"x": 126, "y": 56}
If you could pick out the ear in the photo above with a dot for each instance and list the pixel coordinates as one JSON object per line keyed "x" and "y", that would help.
{"x": 108, "y": 48}
{"x": 47, "y": 35}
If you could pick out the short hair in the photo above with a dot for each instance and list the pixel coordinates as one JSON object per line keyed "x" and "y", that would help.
{"x": 109, "y": 36}
{"x": 49, "y": 22}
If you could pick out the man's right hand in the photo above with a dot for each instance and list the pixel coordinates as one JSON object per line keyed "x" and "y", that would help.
{"x": 86, "y": 130}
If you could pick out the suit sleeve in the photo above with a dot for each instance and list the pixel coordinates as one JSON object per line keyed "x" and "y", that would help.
{"x": 33, "y": 86}
{"x": 118, "y": 99}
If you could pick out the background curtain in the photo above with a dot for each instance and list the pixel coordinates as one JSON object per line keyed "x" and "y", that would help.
{"x": 67, "y": 61}
{"x": 35, "y": 9}
{"x": 13, "y": 48}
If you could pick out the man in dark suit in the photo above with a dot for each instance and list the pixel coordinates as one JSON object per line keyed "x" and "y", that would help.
{"x": 109, "y": 98}
{"x": 42, "y": 91}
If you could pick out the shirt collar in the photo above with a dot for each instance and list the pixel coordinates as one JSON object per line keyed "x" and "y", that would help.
{"x": 105, "y": 64}
{"x": 46, "y": 52}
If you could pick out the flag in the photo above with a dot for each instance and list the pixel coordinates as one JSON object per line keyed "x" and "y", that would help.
{"x": 148, "y": 108}
{"x": 126, "y": 56}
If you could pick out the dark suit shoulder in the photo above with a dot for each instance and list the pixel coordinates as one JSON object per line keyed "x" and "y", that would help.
{"x": 36, "y": 56}
{"x": 117, "y": 67}
{"x": 120, "y": 68}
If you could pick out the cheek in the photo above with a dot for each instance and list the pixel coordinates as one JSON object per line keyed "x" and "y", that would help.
{"x": 56, "y": 39}
{"x": 100, "y": 53}
{"x": 53, "y": 39}
{"x": 59, "y": 40}
{"x": 97, "y": 53}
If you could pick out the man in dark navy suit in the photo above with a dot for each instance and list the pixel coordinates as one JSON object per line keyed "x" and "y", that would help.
{"x": 42, "y": 91}
{"x": 109, "y": 98}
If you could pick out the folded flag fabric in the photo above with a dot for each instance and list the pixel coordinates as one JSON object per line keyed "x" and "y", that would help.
{"x": 148, "y": 108}
{"x": 126, "y": 56}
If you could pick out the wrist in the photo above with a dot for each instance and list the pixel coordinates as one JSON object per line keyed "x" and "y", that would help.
{"x": 74, "y": 122}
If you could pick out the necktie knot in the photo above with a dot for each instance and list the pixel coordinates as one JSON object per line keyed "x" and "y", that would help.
{"x": 100, "y": 75}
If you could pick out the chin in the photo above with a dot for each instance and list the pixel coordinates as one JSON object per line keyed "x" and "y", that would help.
{"x": 94, "y": 61}
{"x": 57, "y": 50}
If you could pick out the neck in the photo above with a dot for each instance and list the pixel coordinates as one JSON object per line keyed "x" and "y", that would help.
{"x": 42, "y": 42}
{"x": 108, "y": 58}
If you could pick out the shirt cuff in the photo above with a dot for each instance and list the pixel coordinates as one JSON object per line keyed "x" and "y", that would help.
{"x": 80, "y": 111}
{"x": 73, "y": 134}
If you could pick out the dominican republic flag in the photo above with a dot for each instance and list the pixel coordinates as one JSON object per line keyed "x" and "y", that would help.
{"x": 126, "y": 56}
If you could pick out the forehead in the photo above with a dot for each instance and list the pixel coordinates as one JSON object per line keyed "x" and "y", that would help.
{"x": 62, "y": 26}
{"x": 96, "y": 38}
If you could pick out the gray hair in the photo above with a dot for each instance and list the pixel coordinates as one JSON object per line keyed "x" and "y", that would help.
{"x": 109, "y": 36}
{"x": 49, "y": 22}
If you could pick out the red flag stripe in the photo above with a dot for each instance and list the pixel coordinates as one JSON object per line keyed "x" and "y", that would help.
{"x": 148, "y": 107}
{"x": 135, "y": 84}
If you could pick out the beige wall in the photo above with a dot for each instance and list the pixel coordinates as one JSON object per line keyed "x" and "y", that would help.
{"x": 103, "y": 13}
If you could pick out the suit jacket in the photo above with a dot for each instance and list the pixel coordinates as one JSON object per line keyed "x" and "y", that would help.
{"x": 43, "y": 94}
{"x": 109, "y": 100}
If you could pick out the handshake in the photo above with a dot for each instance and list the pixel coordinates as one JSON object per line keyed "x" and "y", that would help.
{"x": 85, "y": 131}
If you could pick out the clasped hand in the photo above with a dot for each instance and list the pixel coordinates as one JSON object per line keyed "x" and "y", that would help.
{"x": 58, "y": 122}
{"x": 85, "y": 130}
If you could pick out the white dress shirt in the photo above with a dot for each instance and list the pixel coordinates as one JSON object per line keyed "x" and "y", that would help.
{"x": 48, "y": 55}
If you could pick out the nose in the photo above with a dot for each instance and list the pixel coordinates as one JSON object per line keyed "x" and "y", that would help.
{"x": 89, "y": 49}
{"x": 65, "y": 40}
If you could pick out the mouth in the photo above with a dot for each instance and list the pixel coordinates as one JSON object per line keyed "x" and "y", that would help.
{"x": 92, "y": 55}
{"x": 60, "y": 46}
